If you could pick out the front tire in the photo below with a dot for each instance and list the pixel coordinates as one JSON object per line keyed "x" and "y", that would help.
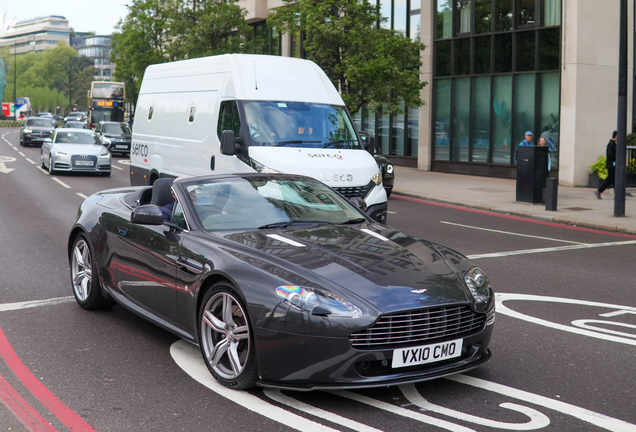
{"x": 84, "y": 276}
{"x": 226, "y": 339}
{"x": 42, "y": 164}
{"x": 51, "y": 170}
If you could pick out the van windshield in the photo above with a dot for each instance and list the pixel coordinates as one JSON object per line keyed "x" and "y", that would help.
{"x": 299, "y": 124}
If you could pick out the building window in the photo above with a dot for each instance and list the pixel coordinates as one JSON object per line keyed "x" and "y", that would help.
{"x": 443, "y": 58}
{"x": 444, "y": 19}
{"x": 481, "y": 120}
{"x": 106, "y": 72}
{"x": 481, "y": 54}
{"x": 503, "y": 15}
{"x": 415, "y": 27}
{"x": 525, "y": 50}
{"x": 526, "y": 15}
{"x": 461, "y": 57}
{"x": 386, "y": 12}
{"x": 503, "y": 48}
{"x": 482, "y": 16}
{"x": 463, "y": 9}
{"x": 502, "y": 121}
{"x": 400, "y": 15}
{"x": 461, "y": 120}
{"x": 550, "y": 13}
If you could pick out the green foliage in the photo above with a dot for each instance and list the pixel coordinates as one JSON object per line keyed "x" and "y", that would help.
{"x": 371, "y": 66}
{"x": 141, "y": 40}
{"x": 49, "y": 77}
{"x": 208, "y": 27}
{"x": 599, "y": 167}
{"x": 631, "y": 139}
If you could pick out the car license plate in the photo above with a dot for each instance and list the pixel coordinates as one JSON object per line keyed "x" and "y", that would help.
{"x": 121, "y": 146}
{"x": 89, "y": 163}
{"x": 426, "y": 354}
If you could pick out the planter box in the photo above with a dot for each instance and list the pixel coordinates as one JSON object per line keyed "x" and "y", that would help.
{"x": 593, "y": 181}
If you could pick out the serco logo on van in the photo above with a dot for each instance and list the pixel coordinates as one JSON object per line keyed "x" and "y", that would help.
{"x": 336, "y": 177}
{"x": 321, "y": 155}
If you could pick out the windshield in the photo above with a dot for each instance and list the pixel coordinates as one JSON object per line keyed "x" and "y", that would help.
{"x": 108, "y": 91}
{"x": 77, "y": 138}
{"x": 39, "y": 123}
{"x": 299, "y": 124}
{"x": 116, "y": 129}
{"x": 268, "y": 202}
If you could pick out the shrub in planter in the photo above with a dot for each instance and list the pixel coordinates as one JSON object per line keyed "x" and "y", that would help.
{"x": 599, "y": 167}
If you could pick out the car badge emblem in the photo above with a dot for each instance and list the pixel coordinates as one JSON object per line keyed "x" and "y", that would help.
{"x": 419, "y": 291}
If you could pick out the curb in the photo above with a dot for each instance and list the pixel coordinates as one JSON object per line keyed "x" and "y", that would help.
{"x": 543, "y": 218}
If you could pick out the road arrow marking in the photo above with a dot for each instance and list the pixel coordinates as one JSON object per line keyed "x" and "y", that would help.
{"x": 4, "y": 169}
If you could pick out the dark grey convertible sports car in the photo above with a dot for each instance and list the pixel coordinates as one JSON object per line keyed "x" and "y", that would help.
{"x": 282, "y": 282}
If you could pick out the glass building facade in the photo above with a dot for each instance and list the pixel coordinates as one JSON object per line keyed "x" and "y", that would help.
{"x": 496, "y": 75}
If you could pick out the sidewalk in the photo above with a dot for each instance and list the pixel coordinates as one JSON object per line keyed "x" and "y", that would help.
{"x": 576, "y": 205}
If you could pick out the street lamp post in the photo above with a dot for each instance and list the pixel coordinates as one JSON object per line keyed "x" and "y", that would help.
{"x": 15, "y": 69}
{"x": 621, "y": 156}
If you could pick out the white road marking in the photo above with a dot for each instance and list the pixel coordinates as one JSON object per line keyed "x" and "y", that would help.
{"x": 35, "y": 303}
{"x": 502, "y": 309}
{"x": 585, "y": 323}
{"x": 600, "y": 420}
{"x": 21, "y": 154}
{"x": 116, "y": 167}
{"x": 4, "y": 169}
{"x": 16, "y": 149}
{"x": 43, "y": 170}
{"x": 510, "y": 233}
{"x": 188, "y": 357}
{"x": 279, "y": 397}
{"x": 82, "y": 195}
{"x": 55, "y": 179}
{"x": 30, "y": 161}
{"x": 391, "y": 212}
{"x": 124, "y": 161}
{"x": 537, "y": 419}
{"x": 402, "y": 411}
{"x": 554, "y": 249}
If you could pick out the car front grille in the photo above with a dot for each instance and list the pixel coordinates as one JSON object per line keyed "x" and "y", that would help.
{"x": 356, "y": 191}
{"x": 84, "y": 158}
{"x": 419, "y": 326}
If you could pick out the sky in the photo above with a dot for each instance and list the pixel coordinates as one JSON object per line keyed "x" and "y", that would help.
{"x": 99, "y": 16}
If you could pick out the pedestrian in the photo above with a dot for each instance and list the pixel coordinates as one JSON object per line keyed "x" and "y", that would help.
{"x": 610, "y": 164}
{"x": 526, "y": 142}
{"x": 542, "y": 143}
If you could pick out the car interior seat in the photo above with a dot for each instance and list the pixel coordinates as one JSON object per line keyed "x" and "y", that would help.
{"x": 161, "y": 192}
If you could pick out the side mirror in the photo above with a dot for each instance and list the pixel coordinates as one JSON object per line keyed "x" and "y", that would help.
{"x": 105, "y": 141}
{"x": 147, "y": 214}
{"x": 228, "y": 143}
{"x": 359, "y": 203}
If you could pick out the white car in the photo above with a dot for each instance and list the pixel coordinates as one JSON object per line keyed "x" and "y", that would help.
{"x": 79, "y": 150}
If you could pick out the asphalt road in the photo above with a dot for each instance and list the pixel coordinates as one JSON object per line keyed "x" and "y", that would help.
{"x": 564, "y": 346}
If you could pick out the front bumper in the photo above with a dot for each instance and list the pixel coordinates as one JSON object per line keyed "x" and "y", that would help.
{"x": 70, "y": 163}
{"x": 330, "y": 363}
{"x": 30, "y": 139}
{"x": 119, "y": 147}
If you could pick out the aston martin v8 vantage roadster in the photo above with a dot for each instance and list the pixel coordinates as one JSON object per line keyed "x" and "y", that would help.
{"x": 282, "y": 282}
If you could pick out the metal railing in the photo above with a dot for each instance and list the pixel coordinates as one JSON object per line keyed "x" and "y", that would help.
{"x": 11, "y": 123}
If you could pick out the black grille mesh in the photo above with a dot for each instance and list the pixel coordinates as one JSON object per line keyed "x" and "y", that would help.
{"x": 356, "y": 191}
{"x": 424, "y": 325}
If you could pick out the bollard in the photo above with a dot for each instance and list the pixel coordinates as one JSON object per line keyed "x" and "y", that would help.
{"x": 551, "y": 192}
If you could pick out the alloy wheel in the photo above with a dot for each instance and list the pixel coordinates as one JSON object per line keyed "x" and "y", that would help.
{"x": 82, "y": 270}
{"x": 225, "y": 335}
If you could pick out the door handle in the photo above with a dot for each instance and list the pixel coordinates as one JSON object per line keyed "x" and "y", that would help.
{"x": 189, "y": 266}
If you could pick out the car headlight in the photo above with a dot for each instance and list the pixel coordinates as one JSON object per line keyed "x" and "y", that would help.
{"x": 59, "y": 153}
{"x": 104, "y": 156}
{"x": 377, "y": 178}
{"x": 317, "y": 302}
{"x": 262, "y": 168}
{"x": 28, "y": 131}
{"x": 389, "y": 169}
{"x": 478, "y": 284}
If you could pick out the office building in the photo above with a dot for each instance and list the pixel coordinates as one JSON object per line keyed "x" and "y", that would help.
{"x": 36, "y": 35}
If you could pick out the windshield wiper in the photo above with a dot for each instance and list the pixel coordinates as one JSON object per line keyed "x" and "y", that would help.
{"x": 294, "y": 222}
{"x": 354, "y": 221}
{"x": 283, "y": 143}
{"x": 330, "y": 143}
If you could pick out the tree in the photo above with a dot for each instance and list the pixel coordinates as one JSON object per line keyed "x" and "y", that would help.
{"x": 209, "y": 27}
{"x": 141, "y": 40}
{"x": 369, "y": 65}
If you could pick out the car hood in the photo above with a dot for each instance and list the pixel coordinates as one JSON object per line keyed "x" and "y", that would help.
{"x": 395, "y": 273}
{"x": 122, "y": 136}
{"x": 86, "y": 149}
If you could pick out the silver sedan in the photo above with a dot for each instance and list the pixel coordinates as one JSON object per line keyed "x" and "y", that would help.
{"x": 79, "y": 150}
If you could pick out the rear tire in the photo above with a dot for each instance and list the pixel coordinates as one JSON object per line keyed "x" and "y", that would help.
{"x": 225, "y": 338}
{"x": 85, "y": 277}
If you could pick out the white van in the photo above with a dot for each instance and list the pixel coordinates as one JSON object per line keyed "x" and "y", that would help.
{"x": 246, "y": 113}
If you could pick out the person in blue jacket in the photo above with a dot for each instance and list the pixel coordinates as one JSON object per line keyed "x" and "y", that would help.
{"x": 525, "y": 142}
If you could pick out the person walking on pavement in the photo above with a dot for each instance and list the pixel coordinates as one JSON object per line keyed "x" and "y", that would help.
{"x": 610, "y": 164}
